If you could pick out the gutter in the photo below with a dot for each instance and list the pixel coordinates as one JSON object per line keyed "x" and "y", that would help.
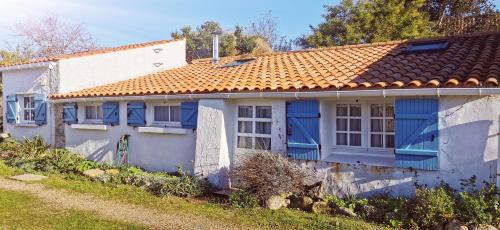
{"x": 28, "y": 66}
{"x": 300, "y": 95}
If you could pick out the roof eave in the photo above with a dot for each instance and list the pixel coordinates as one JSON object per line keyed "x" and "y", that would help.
{"x": 28, "y": 66}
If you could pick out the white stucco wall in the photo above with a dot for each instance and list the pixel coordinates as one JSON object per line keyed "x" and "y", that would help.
{"x": 40, "y": 80}
{"x": 94, "y": 70}
{"x": 151, "y": 151}
{"x": 469, "y": 145}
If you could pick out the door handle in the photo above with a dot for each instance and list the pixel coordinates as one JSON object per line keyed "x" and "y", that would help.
{"x": 289, "y": 130}
{"x": 432, "y": 137}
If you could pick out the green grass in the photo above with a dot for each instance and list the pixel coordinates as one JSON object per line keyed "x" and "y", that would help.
{"x": 23, "y": 211}
{"x": 244, "y": 218}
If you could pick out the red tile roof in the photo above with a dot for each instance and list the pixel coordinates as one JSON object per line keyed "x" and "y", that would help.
{"x": 469, "y": 61}
{"x": 91, "y": 52}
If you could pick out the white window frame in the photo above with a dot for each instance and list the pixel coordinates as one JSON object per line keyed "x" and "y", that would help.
{"x": 150, "y": 115}
{"x": 384, "y": 132}
{"x": 22, "y": 108}
{"x": 348, "y": 117}
{"x": 253, "y": 119}
{"x": 365, "y": 147}
{"x": 92, "y": 121}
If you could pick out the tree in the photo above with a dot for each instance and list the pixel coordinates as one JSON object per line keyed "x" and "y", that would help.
{"x": 265, "y": 27}
{"x": 462, "y": 16}
{"x": 49, "y": 36}
{"x": 368, "y": 21}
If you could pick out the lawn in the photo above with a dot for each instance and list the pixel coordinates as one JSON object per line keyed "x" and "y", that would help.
{"x": 23, "y": 211}
{"x": 242, "y": 218}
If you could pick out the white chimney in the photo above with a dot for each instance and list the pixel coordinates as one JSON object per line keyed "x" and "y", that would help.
{"x": 215, "y": 47}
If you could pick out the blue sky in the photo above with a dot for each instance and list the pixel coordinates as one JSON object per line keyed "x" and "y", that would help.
{"x": 116, "y": 22}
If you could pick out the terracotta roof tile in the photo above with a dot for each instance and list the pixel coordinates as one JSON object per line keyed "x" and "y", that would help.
{"x": 91, "y": 52}
{"x": 469, "y": 61}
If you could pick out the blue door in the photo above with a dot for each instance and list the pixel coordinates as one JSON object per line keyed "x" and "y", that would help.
{"x": 303, "y": 140}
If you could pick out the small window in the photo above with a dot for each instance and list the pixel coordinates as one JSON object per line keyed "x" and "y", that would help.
{"x": 239, "y": 62}
{"x": 29, "y": 109}
{"x": 428, "y": 46}
{"x": 348, "y": 120}
{"x": 167, "y": 114}
{"x": 93, "y": 113}
{"x": 381, "y": 126}
{"x": 254, "y": 127}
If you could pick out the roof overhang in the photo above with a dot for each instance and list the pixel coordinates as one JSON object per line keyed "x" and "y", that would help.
{"x": 301, "y": 95}
{"x": 47, "y": 64}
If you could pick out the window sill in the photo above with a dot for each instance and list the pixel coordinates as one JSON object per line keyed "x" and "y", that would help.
{"x": 370, "y": 157}
{"x": 101, "y": 127}
{"x": 27, "y": 125}
{"x": 160, "y": 130}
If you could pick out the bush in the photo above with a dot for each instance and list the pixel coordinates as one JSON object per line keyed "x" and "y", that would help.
{"x": 266, "y": 174}
{"x": 243, "y": 200}
{"x": 479, "y": 206}
{"x": 433, "y": 207}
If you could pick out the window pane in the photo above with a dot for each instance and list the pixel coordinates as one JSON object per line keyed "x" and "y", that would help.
{"x": 376, "y": 110}
{"x": 341, "y": 124}
{"x": 245, "y": 142}
{"x": 161, "y": 113}
{"x": 29, "y": 115}
{"x": 29, "y": 102}
{"x": 175, "y": 113}
{"x": 263, "y": 127}
{"x": 355, "y": 139}
{"x": 389, "y": 111}
{"x": 244, "y": 126}
{"x": 389, "y": 141}
{"x": 99, "y": 112}
{"x": 263, "y": 143}
{"x": 376, "y": 140}
{"x": 376, "y": 125}
{"x": 341, "y": 110}
{"x": 341, "y": 138}
{"x": 355, "y": 110}
{"x": 263, "y": 111}
{"x": 355, "y": 125}
{"x": 245, "y": 111}
{"x": 389, "y": 125}
{"x": 90, "y": 112}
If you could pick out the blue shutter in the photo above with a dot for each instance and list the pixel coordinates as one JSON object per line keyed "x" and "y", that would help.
{"x": 11, "y": 110}
{"x": 136, "y": 114}
{"x": 302, "y": 122}
{"x": 70, "y": 113}
{"x": 40, "y": 110}
{"x": 111, "y": 113}
{"x": 189, "y": 115}
{"x": 417, "y": 133}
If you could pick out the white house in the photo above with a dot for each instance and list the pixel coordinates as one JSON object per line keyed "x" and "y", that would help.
{"x": 369, "y": 118}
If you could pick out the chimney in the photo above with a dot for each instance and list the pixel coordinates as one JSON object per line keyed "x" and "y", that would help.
{"x": 215, "y": 46}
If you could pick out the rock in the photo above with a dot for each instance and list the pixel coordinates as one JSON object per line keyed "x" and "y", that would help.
{"x": 315, "y": 190}
{"x": 320, "y": 207}
{"x": 28, "y": 177}
{"x": 345, "y": 212}
{"x": 484, "y": 227}
{"x": 455, "y": 225}
{"x": 372, "y": 213}
{"x": 277, "y": 202}
{"x": 4, "y": 136}
{"x": 302, "y": 203}
{"x": 112, "y": 172}
{"x": 93, "y": 173}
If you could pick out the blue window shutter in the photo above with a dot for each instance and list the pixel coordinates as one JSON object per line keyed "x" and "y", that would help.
{"x": 302, "y": 122}
{"x": 11, "y": 110}
{"x": 70, "y": 113}
{"x": 189, "y": 115}
{"x": 136, "y": 114}
{"x": 416, "y": 132}
{"x": 111, "y": 113}
{"x": 40, "y": 110}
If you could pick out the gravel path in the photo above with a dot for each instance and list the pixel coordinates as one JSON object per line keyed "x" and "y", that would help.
{"x": 113, "y": 210}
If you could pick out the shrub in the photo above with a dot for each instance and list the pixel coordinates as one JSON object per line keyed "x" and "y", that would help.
{"x": 479, "y": 206}
{"x": 432, "y": 207}
{"x": 266, "y": 174}
{"x": 243, "y": 200}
